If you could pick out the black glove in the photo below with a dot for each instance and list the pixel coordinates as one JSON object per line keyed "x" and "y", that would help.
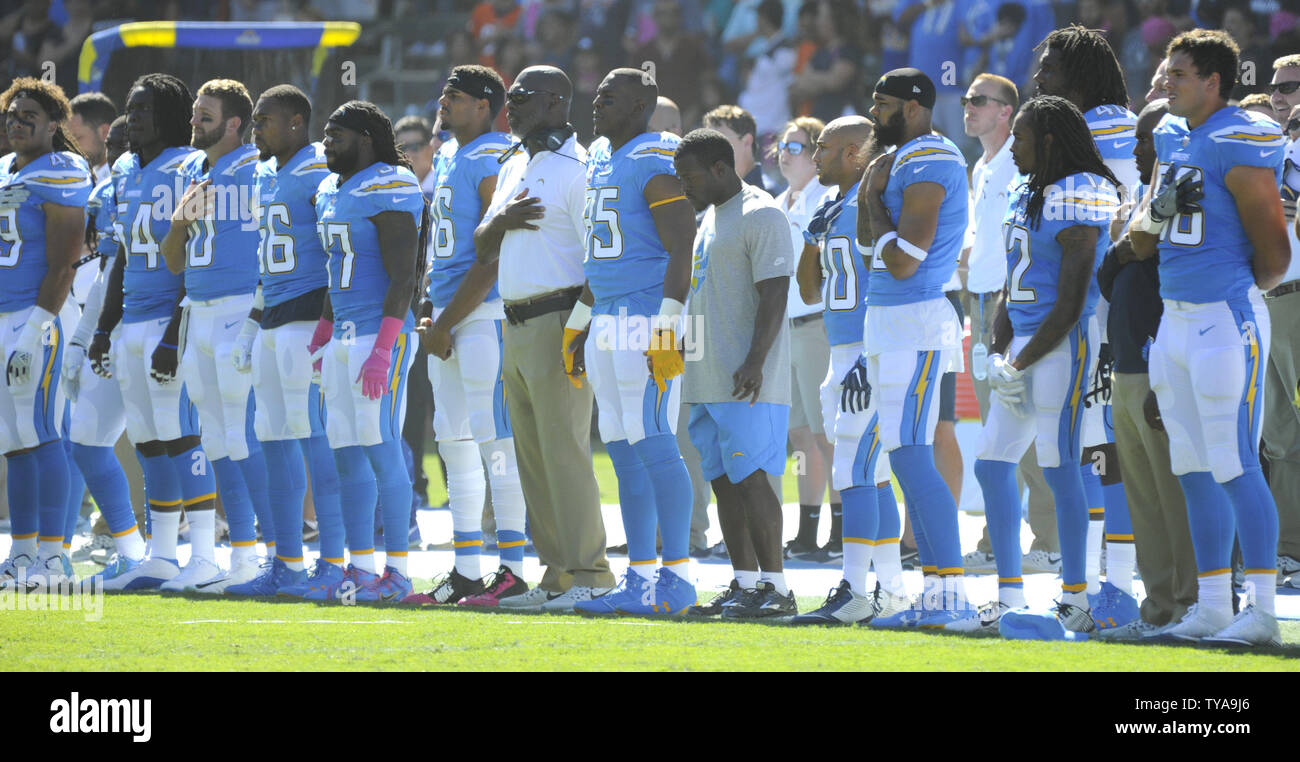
{"x": 1151, "y": 411}
{"x": 1100, "y": 392}
{"x": 98, "y": 354}
{"x": 1176, "y": 197}
{"x": 164, "y": 362}
{"x": 824, "y": 216}
{"x": 856, "y": 395}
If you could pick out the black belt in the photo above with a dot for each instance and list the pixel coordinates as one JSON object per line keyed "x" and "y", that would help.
{"x": 802, "y": 319}
{"x": 1284, "y": 289}
{"x": 519, "y": 312}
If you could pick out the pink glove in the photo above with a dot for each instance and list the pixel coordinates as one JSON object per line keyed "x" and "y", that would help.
{"x": 321, "y": 337}
{"x": 374, "y": 371}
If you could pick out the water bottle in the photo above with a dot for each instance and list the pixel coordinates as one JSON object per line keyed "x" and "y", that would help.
{"x": 979, "y": 361}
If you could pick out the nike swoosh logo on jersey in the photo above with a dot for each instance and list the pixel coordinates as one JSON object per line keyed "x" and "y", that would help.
{"x": 230, "y": 325}
{"x": 1116, "y": 144}
{"x": 918, "y": 170}
{"x": 1266, "y": 154}
{"x": 1204, "y": 331}
{"x": 69, "y": 193}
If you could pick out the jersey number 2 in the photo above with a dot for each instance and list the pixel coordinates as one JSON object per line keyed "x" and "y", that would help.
{"x": 1019, "y": 246}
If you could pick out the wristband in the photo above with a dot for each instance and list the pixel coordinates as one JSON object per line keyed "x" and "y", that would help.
{"x": 912, "y": 250}
{"x": 669, "y": 312}
{"x": 164, "y": 345}
{"x": 34, "y": 328}
{"x": 879, "y": 250}
{"x": 809, "y": 238}
{"x": 1146, "y": 224}
{"x": 580, "y": 318}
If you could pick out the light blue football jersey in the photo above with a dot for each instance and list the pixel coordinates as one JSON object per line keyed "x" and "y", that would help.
{"x": 1034, "y": 254}
{"x": 624, "y": 253}
{"x": 101, "y": 211}
{"x": 926, "y": 159}
{"x": 59, "y": 177}
{"x": 1114, "y": 131}
{"x": 221, "y": 253}
{"x": 1205, "y": 256}
{"x": 457, "y": 210}
{"x": 291, "y": 259}
{"x": 844, "y": 273}
{"x": 145, "y": 197}
{"x": 358, "y": 281}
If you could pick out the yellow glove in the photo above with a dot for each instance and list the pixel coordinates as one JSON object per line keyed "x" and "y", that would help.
{"x": 570, "y": 334}
{"x": 665, "y": 361}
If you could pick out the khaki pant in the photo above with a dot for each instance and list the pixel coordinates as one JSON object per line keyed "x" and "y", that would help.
{"x": 1281, "y": 427}
{"x": 1042, "y": 507}
{"x": 1156, "y": 506}
{"x": 552, "y": 426}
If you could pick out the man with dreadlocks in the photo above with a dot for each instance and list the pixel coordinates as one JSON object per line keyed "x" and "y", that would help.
{"x": 1078, "y": 64}
{"x": 1216, "y": 220}
{"x": 1057, "y": 230}
{"x": 138, "y": 332}
{"x": 44, "y": 185}
{"x": 369, "y": 213}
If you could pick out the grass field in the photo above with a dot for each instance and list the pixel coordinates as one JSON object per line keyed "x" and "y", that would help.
{"x": 148, "y": 632}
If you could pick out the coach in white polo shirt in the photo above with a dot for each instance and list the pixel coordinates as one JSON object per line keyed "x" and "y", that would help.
{"x": 535, "y": 223}
{"x": 990, "y": 105}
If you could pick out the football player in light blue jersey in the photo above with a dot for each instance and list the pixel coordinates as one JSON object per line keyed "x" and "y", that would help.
{"x": 461, "y": 328}
{"x": 1216, "y": 220}
{"x": 1057, "y": 227}
{"x": 98, "y": 416}
{"x": 833, "y": 272}
{"x": 213, "y": 241}
{"x": 640, "y": 233}
{"x": 916, "y": 200}
{"x": 139, "y": 326}
{"x": 1079, "y": 65}
{"x": 272, "y": 346}
{"x": 369, "y": 214}
{"x": 44, "y": 185}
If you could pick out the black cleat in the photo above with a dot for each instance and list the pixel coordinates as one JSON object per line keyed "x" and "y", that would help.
{"x": 762, "y": 602}
{"x": 714, "y": 607}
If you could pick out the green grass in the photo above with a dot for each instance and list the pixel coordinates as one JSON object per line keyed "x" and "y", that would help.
{"x": 150, "y": 633}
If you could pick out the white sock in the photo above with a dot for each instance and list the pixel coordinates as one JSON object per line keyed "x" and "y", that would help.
{"x": 1214, "y": 592}
{"x": 165, "y": 526}
{"x": 466, "y": 491}
{"x": 748, "y": 579}
{"x": 398, "y": 563}
{"x": 645, "y": 571}
{"x": 364, "y": 561}
{"x": 1092, "y": 568}
{"x": 954, "y": 592}
{"x": 682, "y": 569}
{"x": 131, "y": 544}
{"x": 777, "y": 580}
{"x": 931, "y": 592}
{"x": 203, "y": 535}
{"x": 889, "y": 568}
{"x": 1076, "y": 599}
{"x": 298, "y": 565}
{"x": 1012, "y": 596}
{"x": 26, "y": 546}
{"x": 239, "y": 553}
{"x": 50, "y": 548}
{"x": 1121, "y": 557}
{"x": 1265, "y": 589}
{"x": 857, "y": 561}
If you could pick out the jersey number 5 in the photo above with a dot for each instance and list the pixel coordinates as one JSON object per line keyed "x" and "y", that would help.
{"x": 597, "y": 213}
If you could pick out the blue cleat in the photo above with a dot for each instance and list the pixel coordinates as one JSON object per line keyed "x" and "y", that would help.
{"x": 673, "y": 595}
{"x": 350, "y": 583}
{"x": 324, "y": 576}
{"x": 390, "y": 588}
{"x": 274, "y": 576}
{"x": 1065, "y": 622}
{"x": 908, "y": 617}
{"x": 955, "y": 620}
{"x": 633, "y": 594}
{"x": 118, "y": 566}
{"x": 1112, "y": 607}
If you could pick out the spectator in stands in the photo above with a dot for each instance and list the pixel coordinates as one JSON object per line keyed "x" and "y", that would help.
{"x": 1238, "y": 21}
{"x": 683, "y": 66}
{"x": 555, "y": 39}
{"x": 737, "y": 126}
{"x": 810, "y": 351}
{"x": 769, "y": 65}
{"x": 23, "y": 32}
{"x": 1163, "y": 542}
{"x": 63, "y": 45}
{"x": 92, "y": 116}
{"x": 587, "y": 73}
{"x": 494, "y": 20}
{"x": 829, "y": 80}
{"x": 933, "y": 40}
{"x": 1281, "y": 429}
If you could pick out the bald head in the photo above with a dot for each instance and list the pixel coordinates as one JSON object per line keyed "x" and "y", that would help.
{"x": 842, "y": 151}
{"x": 624, "y": 102}
{"x": 667, "y": 117}
{"x": 546, "y": 78}
{"x": 849, "y": 129}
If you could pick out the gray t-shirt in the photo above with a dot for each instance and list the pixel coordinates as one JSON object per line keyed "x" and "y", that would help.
{"x": 740, "y": 242}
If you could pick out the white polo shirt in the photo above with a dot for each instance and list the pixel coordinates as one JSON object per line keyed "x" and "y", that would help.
{"x": 989, "y": 183}
{"x": 799, "y": 213}
{"x": 536, "y": 262}
{"x": 1291, "y": 179}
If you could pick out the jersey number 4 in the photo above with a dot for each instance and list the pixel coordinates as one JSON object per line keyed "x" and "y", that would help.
{"x": 141, "y": 239}
{"x": 597, "y": 213}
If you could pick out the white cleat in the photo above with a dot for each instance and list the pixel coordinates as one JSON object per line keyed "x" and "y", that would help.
{"x": 53, "y": 574}
{"x": 979, "y": 562}
{"x": 983, "y": 621}
{"x": 148, "y": 575}
{"x": 1252, "y": 627}
{"x": 196, "y": 571}
{"x": 1199, "y": 622}
{"x": 887, "y": 604}
{"x": 1135, "y": 630}
{"x": 529, "y": 601}
{"x": 564, "y": 603}
{"x": 1040, "y": 562}
{"x": 241, "y": 572}
{"x": 13, "y": 572}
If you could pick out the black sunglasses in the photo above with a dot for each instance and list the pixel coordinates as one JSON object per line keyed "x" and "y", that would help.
{"x": 520, "y": 96}
{"x": 979, "y": 101}
{"x": 1287, "y": 88}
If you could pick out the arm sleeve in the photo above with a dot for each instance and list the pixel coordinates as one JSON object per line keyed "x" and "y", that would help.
{"x": 90, "y": 313}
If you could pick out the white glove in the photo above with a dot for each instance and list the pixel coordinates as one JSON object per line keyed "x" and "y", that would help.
{"x": 27, "y": 349}
{"x": 1008, "y": 384}
{"x": 243, "y": 354}
{"x": 13, "y": 196}
{"x": 73, "y": 359}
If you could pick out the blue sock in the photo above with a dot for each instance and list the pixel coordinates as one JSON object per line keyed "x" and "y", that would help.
{"x": 52, "y": 492}
{"x": 1210, "y": 518}
{"x": 23, "y": 481}
{"x": 889, "y": 525}
{"x": 914, "y": 465}
{"x": 108, "y": 485}
{"x": 1256, "y": 515}
{"x": 1071, "y": 523}
{"x": 394, "y": 487}
{"x": 861, "y": 514}
{"x": 636, "y": 498}
{"x": 1002, "y": 514}
{"x": 923, "y": 552}
{"x": 234, "y": 497}
{"x": 258, "y": 480}
{"x": 358, "y": 495}
{"x": 510, "y": 548}
{"x": 674, "y": 496}
{"x": 325, "y": 496}
{"x": 287, "y": 491}
{"x": 162, "y": 487}
{"x": 76, "y": 490}
{"x": 1118, "y": 522}
{"x": 1094, "y": 495}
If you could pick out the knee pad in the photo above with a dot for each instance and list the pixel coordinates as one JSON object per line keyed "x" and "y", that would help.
{"x": 466, "y": 488}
